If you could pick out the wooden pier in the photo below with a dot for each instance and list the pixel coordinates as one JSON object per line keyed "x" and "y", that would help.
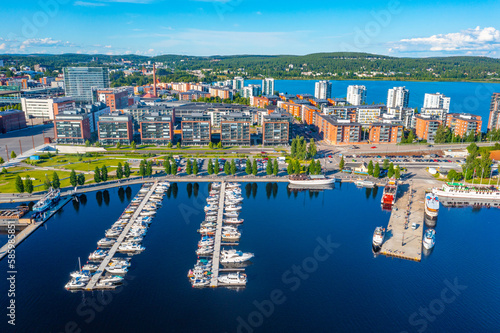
{"x": 218, "y": 237}
{"x": 26, "y": 232}
{"x": 102, "y": 267}
{"x": 401, "y": 241}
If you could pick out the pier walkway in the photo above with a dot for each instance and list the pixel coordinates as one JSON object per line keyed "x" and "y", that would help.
{"x": 401, "y": 241}
{"x": 26, "y": 232}
{"x": 218, "y": 237}
{"x": 102, "y": 267}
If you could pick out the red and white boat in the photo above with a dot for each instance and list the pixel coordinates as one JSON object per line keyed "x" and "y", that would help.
{"x": 390, "y": 193}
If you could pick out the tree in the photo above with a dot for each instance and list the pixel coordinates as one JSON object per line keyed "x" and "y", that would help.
{"x": 255, "y": 170}
{"x": 56, "y": 183}
{"x": 312, "y": 149}
{"x": 72, "y": 178}
{"x": 170, "y": 145}
{"x": 97, "y": 175}
{"x": 386, "y": 164}
{"x": 13, "y": 154}
{"x": 2, "y": 161}
{"x": 81, "y": 179}
{"x": 440, "y": 136}
{"x": 275, "y": 167}
{"x": 47, "y": 183}
{"x": 195, "y": 167}
{"x": 411, "y": 137}
{"x": 104, "y": 173}
{"x": 87, "y": 143}
{"x": 269, "y": 167}
{"x": 19, "y": 184}
{"x": 28, "y": 184}
{"x": 149, "y": 168}
{"x": 168, "y": 168}
{"x": 376, "y": 172}
{"x": 216, "y": 166}
{"x": 293, "y": 150}
{"x": 126, "y": 170}
{"x": 119, "y": 171}
{"x": 397, "y": 173}
{"x": 211, "y": 145}
{"x": 118, "y": 145}
{"x": 342, "y": 163}
{"x": 390, "y": 171}
{"x": 219, "y": 145}
{"x": 133, "y": 145}
{"x": 312, "y": 167}
{"x": 319, "y": 168}
{"x": 210, "y": 168}
{"x": 297, "y": 168}
{"x": 233, "y": 167}
{"x": 289, "y": 167}
{"x": 248, "y": 168}
{"x": 142, "y": 168}
{"x": 178, "y": 145}
{"x": 173, "y": 169}
{"x": 370, "y": 168}
{"x": 227, "y": 168}
{"x": 189, "y": 168}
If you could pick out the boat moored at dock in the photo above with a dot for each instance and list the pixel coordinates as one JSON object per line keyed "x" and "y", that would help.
{"x": 431, "y": 205}
{"x": 310, "y": 180}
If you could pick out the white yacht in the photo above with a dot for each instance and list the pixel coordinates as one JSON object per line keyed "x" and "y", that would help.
{"x": 234, "y": 256}
{"x": 230, "y": 236}
{"x": 83, "y": 276}
{"x": 90, "y": 267}
{"x": 233, "y": 278}
{"x": 431, "y": 205}
{"x": 130, "y": 247}
{"x": 429, "y": 239}
{"x": 75, "y": 284}
{"x": 205, "y": 251}
{"x": 232, "y": 214}
{"x": 105, "y": 285}
{"x": 98, "y": 255}
{"x": 117, "y": 270}
{"x": 233, "y": 220}
{"x": 232, "y": 208}
{"x": 106, "y": 242}
{"x": 111, "y": 279}
{"x": 378, "y": 238}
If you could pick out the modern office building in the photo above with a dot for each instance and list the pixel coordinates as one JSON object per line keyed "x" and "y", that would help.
{"x": 494, "y": 118}
{"x": 72, "y": 127}
{"x": 196, "y": 129}
{"x": 276, "y": 129}
{"x": 426, "y": 127}
{"x": 323, "y": 90}
{"x": 80, "y": 81}
{"x": 356, "y": 95}
{"x": 437, "y": 101}
{"x": 463, "y": 124}
{"x": 115, "y": 98}
{"x": 115, "y": 128}
{"x": 398, "y": 97}
{"x": 235, "y": 129}
{"x": 11, "y": 120}
{"x": 157, "y": 129}
{"x": 336, "y": 131}
{"x": 268, "y": 86}
{"x": 46, "y": 107}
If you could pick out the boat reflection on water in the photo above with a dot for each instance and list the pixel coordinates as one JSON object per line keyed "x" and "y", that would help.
{"x": 475, "y": 203}
{"x": 427, "y": 252}
{"x": 313, "y": 188}
{"x": 430, "y": 222}
{"x": 237, "y": 264}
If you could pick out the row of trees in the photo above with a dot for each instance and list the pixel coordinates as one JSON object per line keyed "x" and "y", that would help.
{"x": 445, "y": 135}
{"x": 27, "y": 185}
{"x": 374, "y": 170}
{"x": 295, "y": 167}
{"x": 301, "y": 151}
{"x": 477, "y": 164}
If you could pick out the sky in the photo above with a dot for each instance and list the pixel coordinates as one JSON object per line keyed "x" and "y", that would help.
{"x": 397, "y": 28}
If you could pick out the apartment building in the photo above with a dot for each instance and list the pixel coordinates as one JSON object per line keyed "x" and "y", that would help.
{"x": 323, "y": 90}
{"x": 336, "y": 131}
{"x": 114, "y": 98}
{"x": 463, "y": 124}
{"x": 115, "y": 128}
{"x": 46, "y": 107}
{"x": 356, "y": 95}
{"x": 268, "y": 86}
{"x": 11, "y": 120}
{"x": 80, "y": 81}
{"x": 72, "y": 127}
{"x": 196, "y": 129}
{"x": 235, "y": 129}
{"x": 437, "y": 101}
{"x": 426, "y": 127}
{"x": 494, "y": 118}
{"x": 276, "y": 129}
{"x": 156, "y": 128}
{"x": 398, "y": 97}
{"x": 385, "y": 132}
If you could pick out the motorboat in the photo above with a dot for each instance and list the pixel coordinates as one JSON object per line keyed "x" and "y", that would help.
{"x": 233, "y": 278}
{"x": 105, "y": 285}
{"x": 165, "y": 184}
{"x": 117, "y": 270}
{"x": 136, "y": 239}
{"x": 130, "y": 247}
{"x": 147, "y": 213}
{"x": 106, "y": 242}
{"x": 232, "y": 214}
{"x": 378, "y": 238}
{"x": 211, "y": 218}
{"x": 234, "y": 256}
{"x": 206, "y": 229}
{"x": 120, "y": 262}
{"x": 429, "y": 239}
{"x": 215, "y": 185}
{"x": 211, "y": 207}
{"x": 75, "y": 284}
{"x": 231, "y": 236}
{"x": 200, "y": 283}
{"x": 111, "y": 279}
{"x": 84, "y": 276}
{"x": 211, "y": 213}
{"x": 232, "y": 208}
{"x": 205, "y": 243}
{"x": 233, "y": 220}
{"x": 208, "y": 224}
{"x": 90, "y": 267}
{"x": 98, "y": 255}
{"x": 431, "y": 205}
{"x": 205, "y": 251}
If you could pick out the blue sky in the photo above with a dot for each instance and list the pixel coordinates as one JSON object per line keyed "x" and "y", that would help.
{"x": 224, "y": 27}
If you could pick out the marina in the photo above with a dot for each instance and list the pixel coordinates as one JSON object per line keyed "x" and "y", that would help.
{"x": 403, "y": 235}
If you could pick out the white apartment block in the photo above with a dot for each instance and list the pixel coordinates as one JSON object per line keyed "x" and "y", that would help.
{"x": 406, "y": 115}
{"x": 268, "y": 86}
{"x": 238, "y": 83}
{"x": 356, "y": 95}
{"x": 439, "y": 113}
{"x": 44, "y": 107}
{"x": 323, "y": 90}
{"x": 437, "y": 101}
{"x": 366, "y": 116}
{"x": 398, "y": 97}
{"x": 250, "y": 91}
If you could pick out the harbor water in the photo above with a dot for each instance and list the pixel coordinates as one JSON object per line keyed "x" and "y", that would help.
{"x": 313, "y": 270}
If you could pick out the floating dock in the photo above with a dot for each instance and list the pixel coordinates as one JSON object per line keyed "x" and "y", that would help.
{"x": 401, "y": 241}
{"x": 102, "y": 267}
{"x": 26, "y": 232}
{"x": 218, "y": 238}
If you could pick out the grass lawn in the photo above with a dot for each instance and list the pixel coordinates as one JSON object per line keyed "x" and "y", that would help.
{"x": 8, "y": 181}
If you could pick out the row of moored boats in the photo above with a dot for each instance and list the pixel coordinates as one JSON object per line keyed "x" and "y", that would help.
{"x": 201, "y": 274}
{"x": 130, "y": 244}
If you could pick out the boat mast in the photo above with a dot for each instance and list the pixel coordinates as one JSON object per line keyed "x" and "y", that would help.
{"x": 79, "y": 263}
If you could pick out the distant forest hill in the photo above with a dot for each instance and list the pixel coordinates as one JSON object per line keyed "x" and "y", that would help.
{"x": 318, "y": 66}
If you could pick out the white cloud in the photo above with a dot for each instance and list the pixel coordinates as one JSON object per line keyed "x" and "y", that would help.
{"x": 107, "y": 46}
{"x": 3, "y": 46}
{"x": 468, "y": 41}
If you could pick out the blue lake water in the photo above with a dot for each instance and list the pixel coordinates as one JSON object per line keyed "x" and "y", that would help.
{"x": 315, "y": 287}
{"x": 470, "y": 97}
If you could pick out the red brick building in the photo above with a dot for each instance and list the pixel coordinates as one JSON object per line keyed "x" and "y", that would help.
{"x": 12, "y": 120}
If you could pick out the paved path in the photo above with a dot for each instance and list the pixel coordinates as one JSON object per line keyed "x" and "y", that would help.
{"x": 218, "y": 238}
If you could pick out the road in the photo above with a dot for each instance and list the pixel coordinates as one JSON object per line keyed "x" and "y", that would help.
{"x": 27, "y": 136}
